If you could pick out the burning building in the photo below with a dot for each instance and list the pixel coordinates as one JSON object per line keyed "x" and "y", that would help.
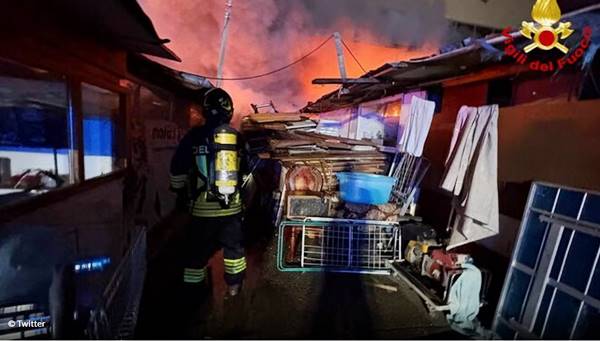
{"x": 546, "y": 107}
{"x": 90, "y": 118}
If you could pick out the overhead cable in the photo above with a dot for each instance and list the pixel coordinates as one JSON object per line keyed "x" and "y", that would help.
{"x": 243, "y": 78}
{"x": 353, "y": 56}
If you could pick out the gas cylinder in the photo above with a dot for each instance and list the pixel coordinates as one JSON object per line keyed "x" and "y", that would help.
{"x": 226, "y": 161}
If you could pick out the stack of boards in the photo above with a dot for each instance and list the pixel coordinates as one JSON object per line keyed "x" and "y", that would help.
{"x": 291, "y": 139}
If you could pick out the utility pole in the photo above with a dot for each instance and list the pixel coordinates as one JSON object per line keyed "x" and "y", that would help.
{"x": 341, "y": 63}
{"x": 228, "y": 7}
{"x": 340, "y": 55}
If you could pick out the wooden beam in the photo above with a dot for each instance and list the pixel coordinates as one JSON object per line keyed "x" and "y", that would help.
{"x": 322, "y": 81}
{"x": 280, "y": 117}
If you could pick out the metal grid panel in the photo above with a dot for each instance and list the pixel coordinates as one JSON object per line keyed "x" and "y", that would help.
{"x": 548, "y": 292}
{"x": 342, "y": 245}
{"x": 348, "y": 245}
{"x": 116, "y": 315}
{"x": 409, "y": 170}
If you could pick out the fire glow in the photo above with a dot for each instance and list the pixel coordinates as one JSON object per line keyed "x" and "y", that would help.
{"x": 260, "y": 40}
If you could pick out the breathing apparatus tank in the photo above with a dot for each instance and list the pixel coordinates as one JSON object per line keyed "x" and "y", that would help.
{"x": 226, "y": 162}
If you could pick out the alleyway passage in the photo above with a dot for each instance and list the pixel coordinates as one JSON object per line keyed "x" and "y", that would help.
{"x": 283, "y": 305}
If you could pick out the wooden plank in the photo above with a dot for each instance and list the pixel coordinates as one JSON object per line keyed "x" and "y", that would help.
{"x": 354, "y": 162}
{"x": 322, "y": 156}
{"x": 281, "y": 144}
{"x": 357, "y": 168}
{"x": 305, "y": 124}
{"x": 276, "y": 117}
{"x": 334, "y": 145}
{"x": 275, "y": 126}
{"x": 340, "y": 139}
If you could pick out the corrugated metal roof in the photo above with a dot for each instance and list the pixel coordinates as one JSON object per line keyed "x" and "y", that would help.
{"x": 400, "y": 76}
{"x": 396, "y": 77}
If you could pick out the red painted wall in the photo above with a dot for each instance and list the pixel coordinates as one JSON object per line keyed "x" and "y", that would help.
{"x": 433, "y": 203}
{"x": 532, "y": 90}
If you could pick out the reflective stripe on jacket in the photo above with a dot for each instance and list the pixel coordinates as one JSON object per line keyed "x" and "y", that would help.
{"x": 203, "y": 208}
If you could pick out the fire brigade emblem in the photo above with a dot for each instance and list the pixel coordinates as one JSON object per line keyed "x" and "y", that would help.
{"x": 545, "y": 36}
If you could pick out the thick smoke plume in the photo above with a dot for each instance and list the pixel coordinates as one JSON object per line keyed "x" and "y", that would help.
{"x": 266, "y": 34}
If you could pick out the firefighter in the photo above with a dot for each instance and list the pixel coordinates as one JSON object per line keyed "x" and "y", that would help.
{"x": 204, "y": 175}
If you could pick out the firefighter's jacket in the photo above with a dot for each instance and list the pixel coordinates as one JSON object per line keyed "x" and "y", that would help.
{"x": 191, "y": 176}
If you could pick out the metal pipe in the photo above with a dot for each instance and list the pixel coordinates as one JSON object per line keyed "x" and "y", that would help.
{"x": 228, "y": 7}
{"x": 340, "y": 55}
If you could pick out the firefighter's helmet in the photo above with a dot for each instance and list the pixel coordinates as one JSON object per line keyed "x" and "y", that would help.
{"x": 217, "y": 107}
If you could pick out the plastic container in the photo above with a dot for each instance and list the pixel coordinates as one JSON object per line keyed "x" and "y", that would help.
{"x": 362, "y": 188}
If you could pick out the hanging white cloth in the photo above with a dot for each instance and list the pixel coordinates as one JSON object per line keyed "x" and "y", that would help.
{"x": 417, "y": 125}
{"x": 472, "y": 176}
{"x": 461, "y": 119}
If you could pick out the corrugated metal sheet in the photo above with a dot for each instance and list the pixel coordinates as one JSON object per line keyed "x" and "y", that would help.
{"x": 397, "y": 77}
{"x": 402, "y": 76}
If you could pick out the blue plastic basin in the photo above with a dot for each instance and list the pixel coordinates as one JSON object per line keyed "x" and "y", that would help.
{"x": 363, "y": 188}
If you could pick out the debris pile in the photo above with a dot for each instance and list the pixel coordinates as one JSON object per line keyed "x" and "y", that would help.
{"x": 309, "y": 160}
{"x": 293, "y": 140}
{"x": 387, "y": 212}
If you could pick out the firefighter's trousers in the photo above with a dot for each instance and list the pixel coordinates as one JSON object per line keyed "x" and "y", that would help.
{"x": 204, "y": 237}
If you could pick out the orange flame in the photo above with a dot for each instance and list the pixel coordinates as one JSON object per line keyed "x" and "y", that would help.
{"x": 254, "y": 47}
{"x": 371, "y": 55}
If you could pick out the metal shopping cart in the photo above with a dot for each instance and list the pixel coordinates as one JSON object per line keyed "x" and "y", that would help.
{"x": 338, "y": 245}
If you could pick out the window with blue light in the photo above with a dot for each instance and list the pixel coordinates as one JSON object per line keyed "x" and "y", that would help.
{"x": 39, "y": 144}
{"x": 100, "y": 116}
{"x": 35, "y": 130}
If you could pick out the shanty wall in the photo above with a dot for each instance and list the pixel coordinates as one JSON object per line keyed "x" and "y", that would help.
{"x": 555, "y": 142}
{"x": 99, "y": 215}
{"x": 92, "y": 220}
{"x": 89, "y": 214}
{"x": 550, "y": 140}
{"x": 536, "y": 89}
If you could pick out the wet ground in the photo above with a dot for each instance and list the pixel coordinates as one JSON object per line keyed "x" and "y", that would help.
{"x": 275, "y": 304}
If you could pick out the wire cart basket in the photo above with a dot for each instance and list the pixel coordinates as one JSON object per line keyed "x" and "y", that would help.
{"x": 409, "y": 170}
{"x": 338, "y": 245}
